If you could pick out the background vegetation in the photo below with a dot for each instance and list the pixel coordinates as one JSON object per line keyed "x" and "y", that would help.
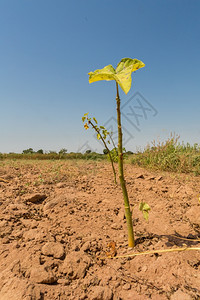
{"x": 169, "y": 155}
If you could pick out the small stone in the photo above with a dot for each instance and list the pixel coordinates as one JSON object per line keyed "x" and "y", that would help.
{"x": 98, "y": 292}
{"x": 86, "y": 246}
{"x": 127, "y": 286}
{"x": 116, "y": 226}
{"x": 101, "y": 293}
{"x": 34, "y": 224}
{"x": 151, "y": 178}
{"x": 32, "y": 292}
{"x": 140, "y": 176}
{"x": 83, "y": 296}
{"x": 108, "y": 294}
{"x": 40, "y": 275}
{"x": 193, "y": 214}
{"x": 54, "y": 249}
{"x": 118, "y": 265}
{"x": 5, "y": 240}
{"x": 63, "y": 281}
{"x": 30, "y": 234}
{"x": 49, "y": 205}
{"x": 35, "y": 198}
{"x": 60, "y": 185}
{"x": 144, "y": 269}
{"x": 75, "y": 265}
{"x": 180, "y": 295}
{"x": 116, "y": 284}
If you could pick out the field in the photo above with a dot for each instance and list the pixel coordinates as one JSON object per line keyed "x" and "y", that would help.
{"x": 62, "y": 228}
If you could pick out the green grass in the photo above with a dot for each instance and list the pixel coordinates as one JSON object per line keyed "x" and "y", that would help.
{"x": 170, "y": 156}
{"x": 53, "y": 156}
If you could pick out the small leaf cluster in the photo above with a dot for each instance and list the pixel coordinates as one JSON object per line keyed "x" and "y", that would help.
{"x": 101, "y": 130}
{"x": 114, "y": 154}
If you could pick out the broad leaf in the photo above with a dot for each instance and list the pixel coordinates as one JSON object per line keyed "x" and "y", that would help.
{"x": 124, "y": 71}
{"x": 107, "y": 73}
{"x": 122, "y": 74}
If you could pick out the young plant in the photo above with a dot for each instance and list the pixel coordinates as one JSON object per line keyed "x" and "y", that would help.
{"x": 102, "y": 134}
{"x": 122, "y": 77}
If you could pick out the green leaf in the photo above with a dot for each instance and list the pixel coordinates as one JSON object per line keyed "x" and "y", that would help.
{"x": 145, "y": 208}
{"x": 95, "y": 120}
{"x": 122, "y": 74}
{"x": 146, "y": 215}
{"x": 104, "y": 131}
{"x": 102, "y": 127}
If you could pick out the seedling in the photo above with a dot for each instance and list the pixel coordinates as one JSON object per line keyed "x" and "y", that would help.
{"x": 102, "y": 134}
{"x": 122, "y": 77}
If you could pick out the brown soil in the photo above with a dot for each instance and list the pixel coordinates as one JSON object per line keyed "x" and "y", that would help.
{"x": 58, "y": 220}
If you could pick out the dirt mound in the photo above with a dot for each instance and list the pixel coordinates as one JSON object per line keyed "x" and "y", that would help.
{"x": 61, "y": 221}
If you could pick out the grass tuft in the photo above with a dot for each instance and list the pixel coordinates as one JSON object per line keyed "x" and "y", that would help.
{"x": 170, "y": 156}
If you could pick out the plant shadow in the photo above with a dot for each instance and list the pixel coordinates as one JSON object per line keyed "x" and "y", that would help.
{"x": 172, "y": 240}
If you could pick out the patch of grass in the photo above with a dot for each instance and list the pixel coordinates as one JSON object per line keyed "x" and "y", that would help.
{"x": 170, "y": 155}
{"x": 53, "y": 156}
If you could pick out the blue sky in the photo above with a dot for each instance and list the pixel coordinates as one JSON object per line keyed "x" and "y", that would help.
{"x": 47, "y": 47}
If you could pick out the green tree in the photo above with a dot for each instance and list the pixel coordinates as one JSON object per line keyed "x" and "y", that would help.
{"x": 62, "y": 151}
{"x": 40, "y": 151}
{"x": 88, "y": 151}
{"x": 105, "y": 151}
{"x": 28, "y": 151}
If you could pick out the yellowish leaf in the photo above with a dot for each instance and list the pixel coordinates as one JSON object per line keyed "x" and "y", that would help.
{"x": 86, "y": 126}
{"x": 107, "y": 73}
{"x": 122, "y": 74}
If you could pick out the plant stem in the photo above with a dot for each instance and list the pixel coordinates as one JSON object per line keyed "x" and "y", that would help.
{"x": 128, "y": 214}
{"x": 114, "y": 173}
{"x": 112, "y": 141}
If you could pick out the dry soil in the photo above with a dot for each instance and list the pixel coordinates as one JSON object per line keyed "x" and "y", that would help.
{"x": 62, "y": 230}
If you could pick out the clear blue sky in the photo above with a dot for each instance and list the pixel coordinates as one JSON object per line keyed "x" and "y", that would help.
{"x": 47, "y": 47}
